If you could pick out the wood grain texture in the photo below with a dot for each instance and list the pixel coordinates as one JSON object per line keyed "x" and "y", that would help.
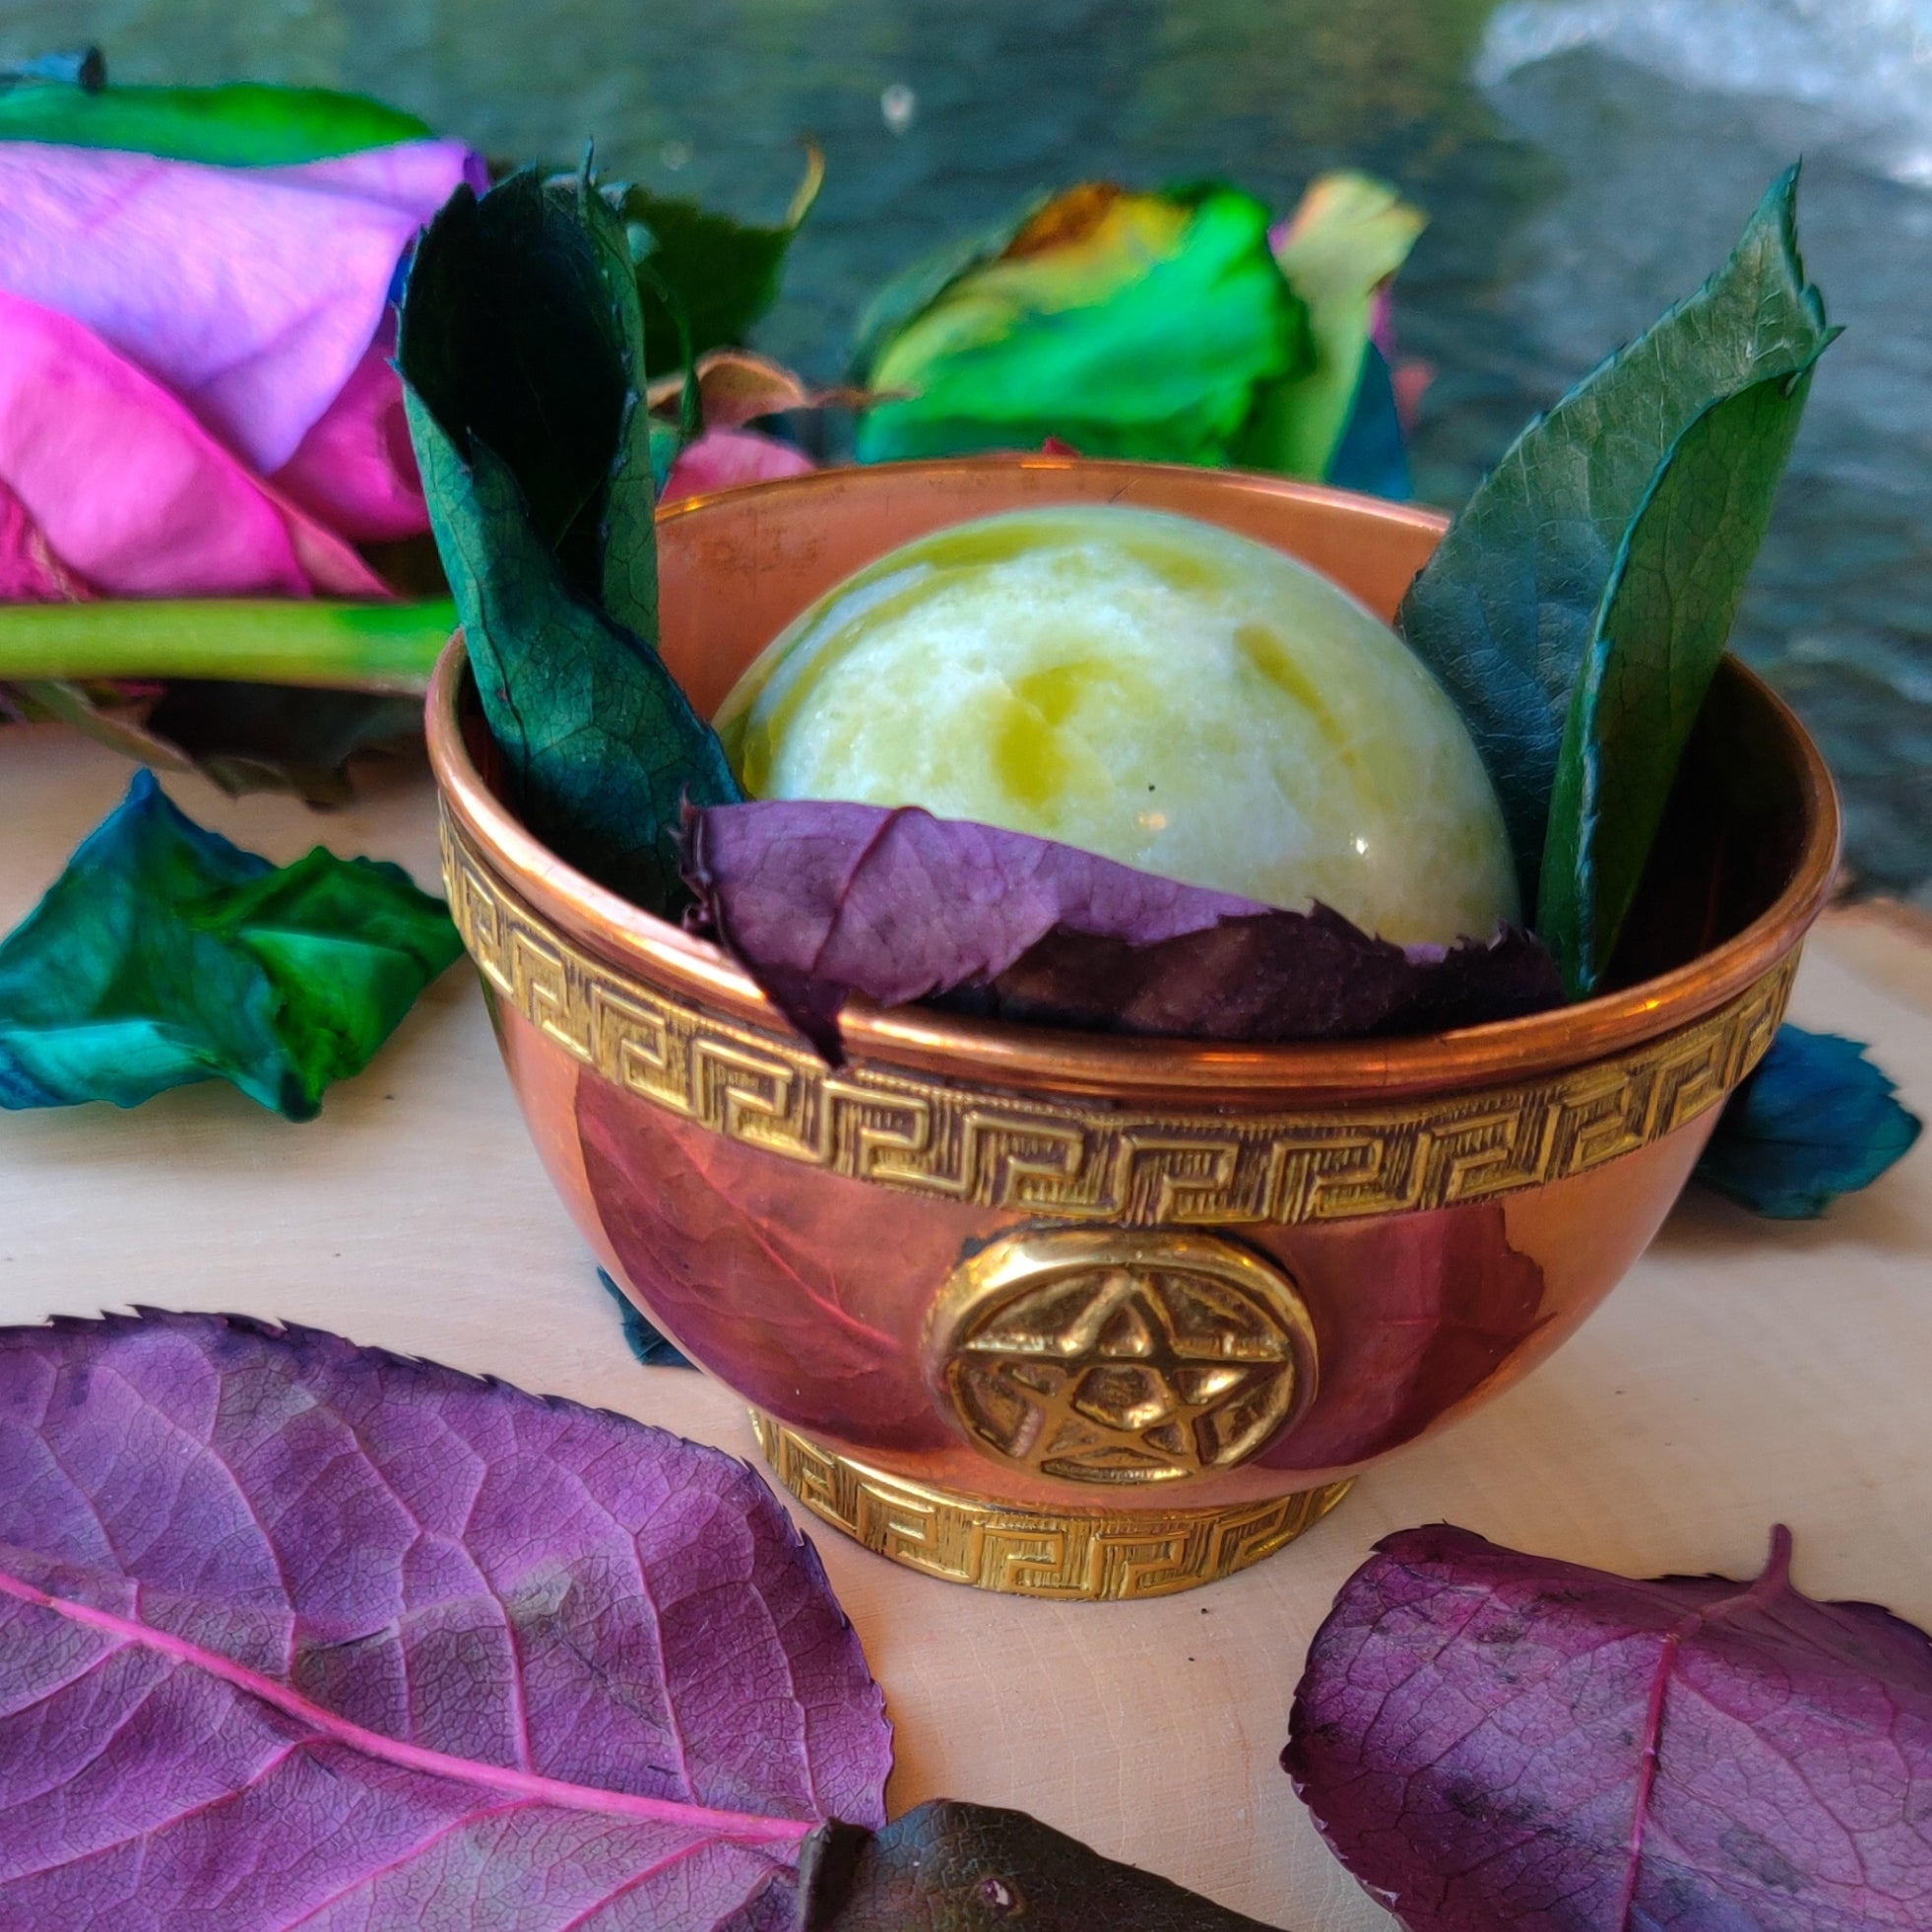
{"x": 1743, "y": 1374}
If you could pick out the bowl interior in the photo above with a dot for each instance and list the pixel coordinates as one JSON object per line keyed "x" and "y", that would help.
{"x": 1744, "y": 864}
{"x": 737, "y": 569}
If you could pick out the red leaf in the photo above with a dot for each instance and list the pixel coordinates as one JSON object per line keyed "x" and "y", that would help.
{"x": 1489, "y": 1739}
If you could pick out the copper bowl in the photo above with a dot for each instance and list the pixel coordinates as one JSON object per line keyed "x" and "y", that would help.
{"x": 1086, "y": 1317}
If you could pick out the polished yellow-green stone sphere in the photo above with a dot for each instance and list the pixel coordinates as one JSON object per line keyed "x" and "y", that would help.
{"x": 1155, "y": 689}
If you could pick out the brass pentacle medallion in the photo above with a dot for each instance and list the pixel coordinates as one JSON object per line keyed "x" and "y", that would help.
{"x": 1100, "y": 1355}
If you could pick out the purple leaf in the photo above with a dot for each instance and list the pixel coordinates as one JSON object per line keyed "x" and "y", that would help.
{"x": 249, "y": 292}
{"x": 818, "y": 901}
{"x": 298, "y": 1633}
{"x": 1490, "y": 1739}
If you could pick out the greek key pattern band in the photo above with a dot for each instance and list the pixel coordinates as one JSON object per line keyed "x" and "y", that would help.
{"x": 1073, "y": 1554}
{"x": 1056, "y": 1156}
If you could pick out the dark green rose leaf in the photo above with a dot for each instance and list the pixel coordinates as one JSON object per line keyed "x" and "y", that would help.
{"x": 164, "y": 955}
{"x": 668, "y": 439}
{"x": 601, "y": 746}
{"x": 1125, "y": 325}
{"x": 1506, "y": 610}
{"x": 244, "y": 737}
{"x": 1654, "y": 648}
{"x": 951, "y": 1867}
{"x": 651, "y": 1346}
{"x": 721, "y": 274}
{"x": 520, "y": 353}
{"x": 1815, "y": 1120}
{"x": 628, "y": 534}
{"x": 240, "y": 125}
{"x": 274, "y": 738}
{"x": 520, "y": 331}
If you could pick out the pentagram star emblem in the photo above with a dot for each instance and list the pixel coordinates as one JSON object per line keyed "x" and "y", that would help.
{"x": 1129, "y": 1372}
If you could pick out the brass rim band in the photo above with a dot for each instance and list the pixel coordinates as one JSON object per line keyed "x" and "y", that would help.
{"x": 1054, "y": 1156}
{"x": 1075, "y": 1554}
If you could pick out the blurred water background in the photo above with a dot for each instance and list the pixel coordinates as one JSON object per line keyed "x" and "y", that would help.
{"x": 1583, "y": 163}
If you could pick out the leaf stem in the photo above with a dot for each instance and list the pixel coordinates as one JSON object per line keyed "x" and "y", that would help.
{"x": 740, "y": 1826}
{"x": 1776, "y": 1581}
{"x": 343, "y": 646}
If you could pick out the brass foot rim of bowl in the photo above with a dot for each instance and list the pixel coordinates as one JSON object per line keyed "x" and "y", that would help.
{"x": 1091, "y": 1554}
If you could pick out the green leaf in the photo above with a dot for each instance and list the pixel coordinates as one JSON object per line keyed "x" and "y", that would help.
{"x": 951, "y": 1867}
{"x": 1127, "y": 325}
{"x": 518, "y": 351}
{"x": 600, "y": 746}
{"x": 1654, "y": 648}
{"x": 627, "y": 533}
{"x": 518, "y": 354}
{"x": 650, "y": 1345}
{"x": 922, "y": 283}
{"x": 1349, "y": 236}
{"x": 1815, "y": 1120}
{"x": 724, "y": 274}
{"x": 513, "y": 336}
{"x": 164, "y": 955}
{"x": 668, "y": 439}
{"x": 1506, "y": 608}
{"x": 1372, "y": 456}
{"x": 244, "y": 124}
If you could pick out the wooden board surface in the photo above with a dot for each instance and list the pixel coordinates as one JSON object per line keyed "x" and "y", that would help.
{"x": 1745, "y": 1374}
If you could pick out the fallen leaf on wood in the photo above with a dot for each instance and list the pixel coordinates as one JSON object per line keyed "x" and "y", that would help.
{"x": 298, "y": 1633}
{"x": 164, "y": 955}
{"x": 1488, "y": 1739}
{"x": 950, "y": 1867}
{"x": 1815, "y": 1120}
